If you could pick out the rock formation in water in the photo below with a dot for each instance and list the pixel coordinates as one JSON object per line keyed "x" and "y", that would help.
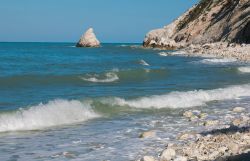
{"x": 88, "y": 39}
{"x": 207, "y": 22}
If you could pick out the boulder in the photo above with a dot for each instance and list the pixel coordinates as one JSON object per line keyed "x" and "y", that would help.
{"x": 168, "y": 154}
{"x": 88, "y": 39}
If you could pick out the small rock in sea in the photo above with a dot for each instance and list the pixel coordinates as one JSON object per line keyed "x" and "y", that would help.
{"x": 188, "y": 114}
{"x": 180, "y": 158}
{"x": 148, "y": 134}
{"x": 211, "y": 123}
{"x": 147, "y": 158}
{"x": 168, "y": 154}
{"x": 203, "y": 115}
{"x": 88, "y": 39}
{"x": 192, "y": 115}
{"x": 239, "y": 109}
{"x": 193, "y": 118}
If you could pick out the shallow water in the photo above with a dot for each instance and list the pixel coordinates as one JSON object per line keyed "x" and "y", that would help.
{"x": 58, "y": 102}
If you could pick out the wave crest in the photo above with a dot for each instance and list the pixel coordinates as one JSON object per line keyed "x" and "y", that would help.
{"x": 217, "y": 61}
{"x": 244, "y": 69}
{"x": 107, "y": 78}
{"x": 143, "y": 62}
{"x": 54, "y": 113}
{"x": 185, "y": 99}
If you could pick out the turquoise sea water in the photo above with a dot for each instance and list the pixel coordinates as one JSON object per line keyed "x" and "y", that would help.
{"x": 58, "y": 102}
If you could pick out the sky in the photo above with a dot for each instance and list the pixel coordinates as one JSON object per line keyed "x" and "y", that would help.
{"x": 121, "y": 21}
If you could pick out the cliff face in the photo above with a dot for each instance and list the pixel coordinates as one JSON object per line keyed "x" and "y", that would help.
{"x": 207, "y": 22}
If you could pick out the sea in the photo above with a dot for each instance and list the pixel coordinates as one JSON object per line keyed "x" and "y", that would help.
{"x": 59, "y": 102}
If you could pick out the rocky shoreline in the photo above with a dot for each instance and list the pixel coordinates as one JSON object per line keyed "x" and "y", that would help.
{"x": 223, "y": 142}
{"x": 236, "y": 51}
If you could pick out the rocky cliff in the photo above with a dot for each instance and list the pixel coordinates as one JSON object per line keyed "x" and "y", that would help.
{"x": 207, "y": 22}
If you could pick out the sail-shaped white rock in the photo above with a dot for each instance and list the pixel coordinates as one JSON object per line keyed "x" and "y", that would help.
{"x": 88, "y": 39}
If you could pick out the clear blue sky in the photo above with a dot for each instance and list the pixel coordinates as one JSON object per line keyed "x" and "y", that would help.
{"x": 66, "y": 20}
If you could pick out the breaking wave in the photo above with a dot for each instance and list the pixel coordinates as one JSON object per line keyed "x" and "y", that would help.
{"x": 54, "y": 113}
{"x": 143, "y": 62}
{"x": 217, "y": 61}
{"x": 175, "y": 53}
{"x": 244, "y": 69}
{"x": 163, "y": 54}
{"x": 106, "y": 78}
{"x": 185, "y": 99}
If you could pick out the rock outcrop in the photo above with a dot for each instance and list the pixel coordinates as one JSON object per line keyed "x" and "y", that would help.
{"x": 207, "y": 22}
{"x": 88, "y": 39}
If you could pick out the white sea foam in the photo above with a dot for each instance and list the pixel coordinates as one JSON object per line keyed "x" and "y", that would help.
{"x": 178, "y": 53}
{"x": 185, "y": 99}
{"x": 54, "y": 113}
{"x": 244, "y": 69}
{"x": 163, "y": 54}
{"x": 218, "y": 61}
{"x": 108, "y": 77}
{"x": 143, "y": 62}
{"x": 172, "y": 53}
{"x": 123, "y": 45}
